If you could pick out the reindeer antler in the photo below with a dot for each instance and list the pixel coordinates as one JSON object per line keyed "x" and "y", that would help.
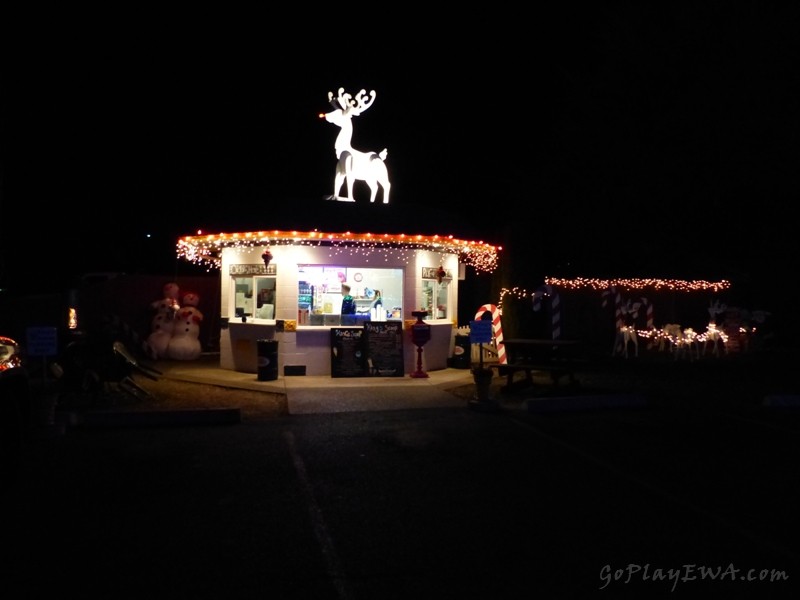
{"x": 334, "y": 103}
{"x": 349, "y": 106}
{"x": 715, "y": 308}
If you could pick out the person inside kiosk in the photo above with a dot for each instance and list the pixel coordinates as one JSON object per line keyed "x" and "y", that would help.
{"x": 348, "y": 306}
{"x": 377, "y": 303}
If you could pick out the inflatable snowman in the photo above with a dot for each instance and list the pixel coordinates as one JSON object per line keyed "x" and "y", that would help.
{"x": 185, "y": 341}
{"x": 163, "y": 323}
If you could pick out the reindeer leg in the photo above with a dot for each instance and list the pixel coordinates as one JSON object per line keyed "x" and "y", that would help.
{"x": 386, "y": 187}
{"x": 337, "y": 185}
{"x": 349, "y": 190}
{"x": 344, "y": 172}
{"x": 381, "y": 177}
{"x": 373, "y": 188}
{"x": 341, "y": 173}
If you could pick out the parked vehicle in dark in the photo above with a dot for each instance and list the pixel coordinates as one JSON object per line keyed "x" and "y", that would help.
{"x": 14, "y": 408}
{"x": 10, "y": 357}
{"x": 90, "y": 368}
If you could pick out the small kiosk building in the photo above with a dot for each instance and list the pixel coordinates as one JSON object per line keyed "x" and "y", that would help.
{"x": 287, "y": 286}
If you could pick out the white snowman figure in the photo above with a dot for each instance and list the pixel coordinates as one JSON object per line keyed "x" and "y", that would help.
{"x": 185, "y": 341}
{"x": 163, "y": 323}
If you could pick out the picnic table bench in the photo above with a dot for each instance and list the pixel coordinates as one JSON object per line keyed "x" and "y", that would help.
{"x": 559, "y": 358}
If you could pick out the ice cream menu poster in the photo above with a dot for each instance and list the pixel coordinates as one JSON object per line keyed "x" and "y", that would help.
{"x": 348, "y": 358}
{"x": 384, "y": 347}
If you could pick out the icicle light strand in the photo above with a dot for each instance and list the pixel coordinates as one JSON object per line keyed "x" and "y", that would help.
{"x": 205, "y": 249}
{"x": 675, "y": 285}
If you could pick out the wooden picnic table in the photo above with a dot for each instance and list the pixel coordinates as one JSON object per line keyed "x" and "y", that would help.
{"x": 557, "y": 357}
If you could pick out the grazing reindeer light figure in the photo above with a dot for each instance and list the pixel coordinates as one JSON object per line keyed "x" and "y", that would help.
{"x": 713, "y": 333}
{"x": 687, "y": 345}
{"x": 672, "y": 333}
{"x": 626, "y": 333}
{"x": 353, "y": 164}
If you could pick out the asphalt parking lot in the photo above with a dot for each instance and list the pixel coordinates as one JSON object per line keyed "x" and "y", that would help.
{"x": 665, "y": 500}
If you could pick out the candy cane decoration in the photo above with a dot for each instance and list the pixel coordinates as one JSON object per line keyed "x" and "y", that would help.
{"x": 618, "y": 315}
{"x": 497, "y": 329}
{"x": 649, "y": 312}
{"x": 555, "y": 307}
{"x": 620, "y": 321}
{"x": 649, "y": 324}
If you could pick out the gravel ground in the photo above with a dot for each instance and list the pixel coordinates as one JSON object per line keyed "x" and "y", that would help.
{"x": 170, "y": 394}
{"x": 708, "y": 381}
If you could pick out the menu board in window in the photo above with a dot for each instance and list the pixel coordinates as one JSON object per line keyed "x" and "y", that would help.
{"x": 384, "y": 346}
{"x": 348, "y": 358}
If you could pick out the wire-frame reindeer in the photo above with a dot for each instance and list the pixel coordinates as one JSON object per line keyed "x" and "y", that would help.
{"x": 714, "y": 335}
{"x": 625, "y": 315}
{"x": 626, "y": 330}
{"x": 354, "y": 164}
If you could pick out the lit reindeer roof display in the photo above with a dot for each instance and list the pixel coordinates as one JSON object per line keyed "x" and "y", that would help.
{"x": 353, "y": 164}
{"x": 206, "y": 248}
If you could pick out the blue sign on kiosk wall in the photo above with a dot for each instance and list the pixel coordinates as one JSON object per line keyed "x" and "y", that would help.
{"x": 480, "y": 332}
{"x": 41, "y": 341}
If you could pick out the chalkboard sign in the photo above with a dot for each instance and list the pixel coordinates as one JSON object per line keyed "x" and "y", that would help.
{"x": 384, "y": 343}
{"x": 348, "y": 358}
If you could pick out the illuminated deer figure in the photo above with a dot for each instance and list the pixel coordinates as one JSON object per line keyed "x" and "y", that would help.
{"x": 626, "y": 333}
{"x": 354, "y": 164}
{"x": 713, "y": 333}
{"x": 687, "y": 344}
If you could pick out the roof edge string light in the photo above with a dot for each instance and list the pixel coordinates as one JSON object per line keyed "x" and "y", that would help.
{"x": 675, "y": 285}
{"x": 206, "y": 249}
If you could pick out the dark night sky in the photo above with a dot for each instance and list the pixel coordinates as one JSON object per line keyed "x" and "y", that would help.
{"x": 606, "y": 144}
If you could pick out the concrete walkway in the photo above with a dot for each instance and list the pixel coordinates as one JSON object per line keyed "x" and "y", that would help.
{"x": 323, "y": 394}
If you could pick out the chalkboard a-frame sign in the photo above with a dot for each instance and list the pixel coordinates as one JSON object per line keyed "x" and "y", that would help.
{"x": 348, "y": 357}
{"x": 384, "y": 344}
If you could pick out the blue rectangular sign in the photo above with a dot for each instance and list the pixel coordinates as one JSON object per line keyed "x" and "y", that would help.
{"x": 41, "y": 341}
{"x": 480, "y": 332}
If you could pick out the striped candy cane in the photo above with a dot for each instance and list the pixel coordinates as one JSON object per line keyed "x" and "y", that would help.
{"x": 497, "y": 329}
{"x": 555, "y": 307}
{"x": 650, "y": 326}
{"x": 649, "y": 310}
{"x": 612, "y": 291}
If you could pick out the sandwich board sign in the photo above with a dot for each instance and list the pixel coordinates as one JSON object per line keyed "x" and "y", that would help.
{"x": 41, "y": 341}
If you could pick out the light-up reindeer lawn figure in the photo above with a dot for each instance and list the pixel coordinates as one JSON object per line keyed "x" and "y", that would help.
{"x": 625, "y": 315}
{"x": 714, "y": 335}
{"x": 354, "y": 164}
{"x": 626, "y": 330}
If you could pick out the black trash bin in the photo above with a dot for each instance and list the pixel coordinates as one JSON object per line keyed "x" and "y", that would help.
{"x": 461, "y": 353}
{"x": 267, "y": 360}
